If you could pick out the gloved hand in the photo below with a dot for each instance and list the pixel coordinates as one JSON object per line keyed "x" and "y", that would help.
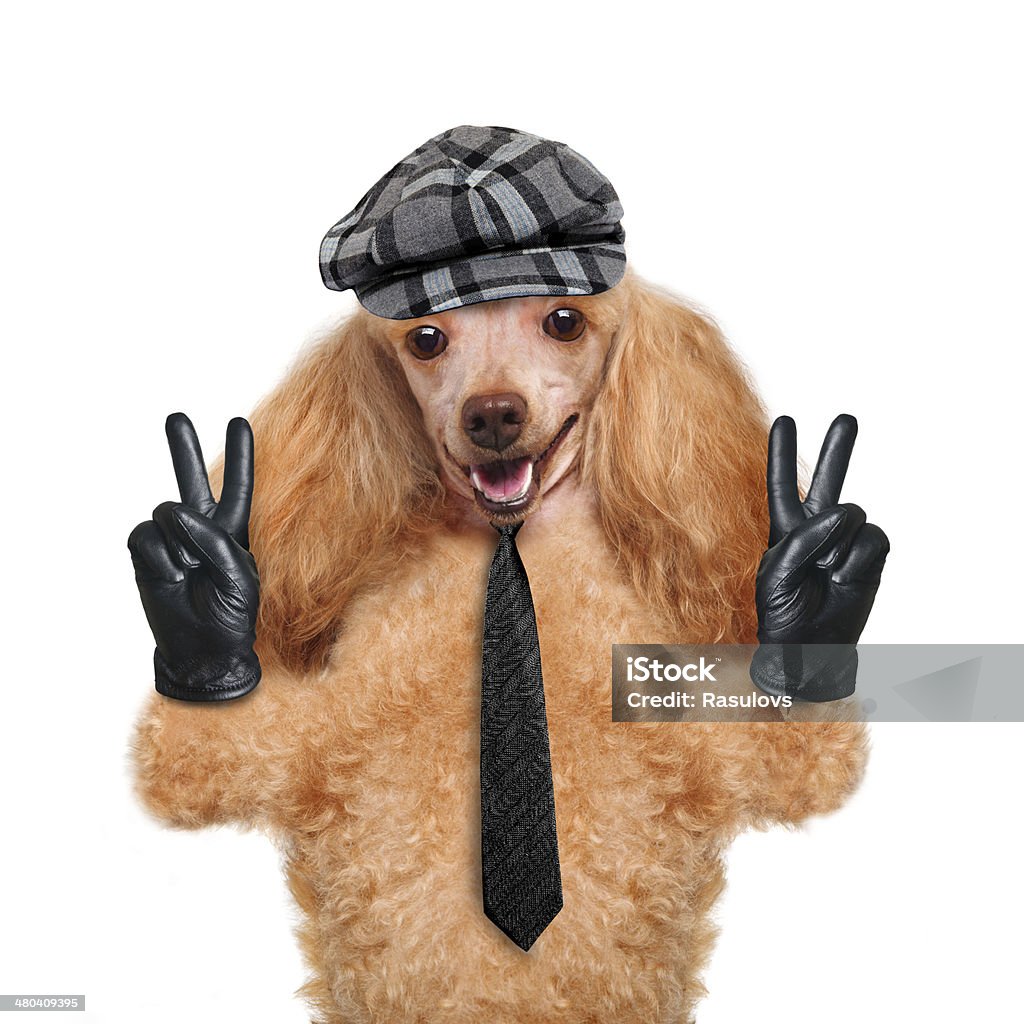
{"x": 197, "y": 579}
{"x": 817, "y": 581}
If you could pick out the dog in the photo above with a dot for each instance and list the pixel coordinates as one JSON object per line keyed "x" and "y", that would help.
{"x": 625, "y": 435}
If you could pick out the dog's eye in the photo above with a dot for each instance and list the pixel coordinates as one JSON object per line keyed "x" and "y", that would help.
{"x": 426, "y": 342}
{"x": 565, "y": 324}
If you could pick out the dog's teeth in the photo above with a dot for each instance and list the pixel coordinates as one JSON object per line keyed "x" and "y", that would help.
{"x": 492, "y": 481}
{"x": 527, "y": 480}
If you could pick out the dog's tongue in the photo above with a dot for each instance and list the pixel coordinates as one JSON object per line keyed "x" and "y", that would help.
{"x": 503, "y": 482}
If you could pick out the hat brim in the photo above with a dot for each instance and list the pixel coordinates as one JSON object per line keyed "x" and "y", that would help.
{"x": 568, "y": 270}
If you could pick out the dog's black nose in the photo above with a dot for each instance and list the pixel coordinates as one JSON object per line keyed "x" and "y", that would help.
{"x": 494, "y": 421}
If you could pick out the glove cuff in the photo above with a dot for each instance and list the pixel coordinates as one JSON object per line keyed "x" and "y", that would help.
{"x": 809, "y": 672}
{"x": 208, "y": 679}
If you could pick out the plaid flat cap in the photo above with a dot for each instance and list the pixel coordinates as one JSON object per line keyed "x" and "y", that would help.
{"x": 475, "y": 214}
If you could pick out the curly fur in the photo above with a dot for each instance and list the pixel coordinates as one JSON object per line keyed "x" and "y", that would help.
{"x": 359, "y": 750}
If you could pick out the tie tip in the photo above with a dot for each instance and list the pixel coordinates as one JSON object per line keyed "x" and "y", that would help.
{"x": 524, "y": 934}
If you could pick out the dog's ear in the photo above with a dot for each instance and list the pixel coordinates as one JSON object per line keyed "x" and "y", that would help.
{"x": 676, "y": 451}
{"x": 345, "y": 484}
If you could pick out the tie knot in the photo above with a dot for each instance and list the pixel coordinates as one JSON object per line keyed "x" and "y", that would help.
{"x": 509, "y": 531}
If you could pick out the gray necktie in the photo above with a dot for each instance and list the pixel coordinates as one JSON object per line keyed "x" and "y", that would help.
{"x": 519, "y": 843}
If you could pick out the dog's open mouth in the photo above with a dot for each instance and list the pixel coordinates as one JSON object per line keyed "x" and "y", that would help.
{"x": 510, "y": 485}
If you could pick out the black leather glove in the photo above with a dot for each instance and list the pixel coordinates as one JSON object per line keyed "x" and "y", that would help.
{"x": 817, "y": 581}
{"x": 197, "y": 579}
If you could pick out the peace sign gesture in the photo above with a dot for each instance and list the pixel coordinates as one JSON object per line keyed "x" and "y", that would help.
{"x": 232, "y": 512}
{"x": 196, "y": 577}
{"x": 817, "y": 580}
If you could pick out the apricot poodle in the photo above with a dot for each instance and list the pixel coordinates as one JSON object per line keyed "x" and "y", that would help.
{"x": 637, "y": 454}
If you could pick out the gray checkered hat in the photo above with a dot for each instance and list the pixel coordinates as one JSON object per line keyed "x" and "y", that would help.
{"x": 476, "y": 214}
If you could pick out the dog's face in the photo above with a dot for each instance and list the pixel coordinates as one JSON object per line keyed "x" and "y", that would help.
{"x": 505, "y": 388}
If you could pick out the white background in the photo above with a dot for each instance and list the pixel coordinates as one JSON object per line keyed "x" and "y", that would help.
{"x": 838, "y": 185}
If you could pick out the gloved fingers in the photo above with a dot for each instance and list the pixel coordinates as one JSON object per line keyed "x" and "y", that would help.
{"x": 784, "y": 508}
{"x": 150, "y": 554}
{"x": 212, "y": 545}
{"x": 189, "y": 467}
{"x": 834, "y": 553}
{"x": 236, "y": 495}
{"x": 181, "y": 552}
{"x": 865, "y": 558}
{"x": 833, "y": 462}
{"x": 817, "y": 541}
